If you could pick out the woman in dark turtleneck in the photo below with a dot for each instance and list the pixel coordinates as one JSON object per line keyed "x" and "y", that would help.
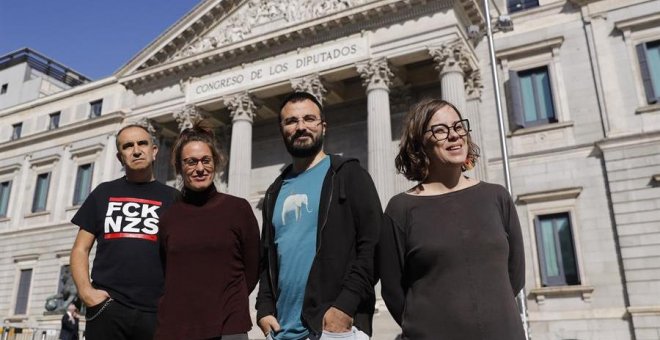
{"x": 209, "y": 246}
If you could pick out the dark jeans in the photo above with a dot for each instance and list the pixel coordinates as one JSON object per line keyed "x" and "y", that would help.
{"x": 119, "y": 322}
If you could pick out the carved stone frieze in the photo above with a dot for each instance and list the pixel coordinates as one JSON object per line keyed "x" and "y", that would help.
{"x": 375, "y": 73}
{"x": 188, "y": 116}
{"x": 241, "y": 106}
{"x": 310, "y": 84}
{"x": 255, "y": 14}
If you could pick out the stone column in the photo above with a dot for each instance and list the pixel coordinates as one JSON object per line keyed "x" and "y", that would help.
{"x": 242, "y": 111}
{"x": 376, "y": 75}
{"x": 311, "y": 84}
{"x": 453, "y": 63}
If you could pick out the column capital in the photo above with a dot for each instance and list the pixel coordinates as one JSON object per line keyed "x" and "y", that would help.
{"x": 241, "y": 107}
{"x": 311, "y": 84}
{"x": 187, "y": 116}
{"x": 149, "y": 124}
{"x": 375, "y": 73}
{"x": 473, "y": 84}
{"x": 451, "y": 57}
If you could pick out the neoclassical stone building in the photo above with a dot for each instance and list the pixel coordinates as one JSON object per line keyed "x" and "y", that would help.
{"x": 580, "y": 82}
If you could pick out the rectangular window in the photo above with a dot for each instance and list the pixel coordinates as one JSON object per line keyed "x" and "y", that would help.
{"x": 5, "y": 189}
{"x": 16, "y": 131}
{"x": 554, "y": 240}
{"x": 3, "y": 90}
{"x": 521, "y": 5}
{"x": 41, "y": 192}
{"x": 649, "y": 63}
{"x": 531, "y": 98}
{"x": 83, "y": 183}
{"x": 54, "y": 121}
{"x": 23, "y": 294}
{"x": 95, "y": 108}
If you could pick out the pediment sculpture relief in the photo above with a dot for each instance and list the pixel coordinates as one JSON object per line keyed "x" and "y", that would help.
{"x": 258, "y": 16}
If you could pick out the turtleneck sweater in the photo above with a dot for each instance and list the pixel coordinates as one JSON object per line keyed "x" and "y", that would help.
{"x": 210, "y": 252}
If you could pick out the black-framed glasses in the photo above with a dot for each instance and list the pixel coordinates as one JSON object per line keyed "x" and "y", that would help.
{"x": 307, "y": 120}
{"x": 191, "y": 162}
{"x": 441, "y": 131}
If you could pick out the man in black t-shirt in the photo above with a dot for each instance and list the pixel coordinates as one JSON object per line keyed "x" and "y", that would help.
{"x": 122, "y": 217}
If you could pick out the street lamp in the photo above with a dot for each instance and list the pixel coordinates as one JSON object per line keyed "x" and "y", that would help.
{"x": 504, "y": 24}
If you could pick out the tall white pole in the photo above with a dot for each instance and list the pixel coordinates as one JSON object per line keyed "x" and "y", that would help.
{"x": 522, "y": 302}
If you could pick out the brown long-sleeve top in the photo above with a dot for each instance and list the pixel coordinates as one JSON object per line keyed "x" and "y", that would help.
{"x": 452, "y": 264}
{"x": 210, "y": 250}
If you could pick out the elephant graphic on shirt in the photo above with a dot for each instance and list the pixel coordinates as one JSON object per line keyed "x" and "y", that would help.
{"x": 294, "y": 203}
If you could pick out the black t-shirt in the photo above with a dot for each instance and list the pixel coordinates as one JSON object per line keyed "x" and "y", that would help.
{"x": 124, "y": 217}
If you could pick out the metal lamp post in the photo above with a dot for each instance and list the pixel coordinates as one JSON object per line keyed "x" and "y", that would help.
{"x": 522, "y": 303}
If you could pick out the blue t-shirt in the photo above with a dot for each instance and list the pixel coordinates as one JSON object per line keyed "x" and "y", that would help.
{"x": 295, "y": 220}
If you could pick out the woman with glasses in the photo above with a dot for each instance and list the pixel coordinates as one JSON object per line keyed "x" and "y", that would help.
{"x": 451, "y": 254}
{"x": 210, "y": 249}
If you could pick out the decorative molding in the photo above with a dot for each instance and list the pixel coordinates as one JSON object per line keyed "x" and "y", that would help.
{"x": 550, "y": 44}
{"x": 187, "y": 116}
{"x": 149, "y": 124}
{"x": 473, "y": 84}
{"x": 541, "y": 128}
{"x": 549, "y": 195}
{"x": 451, "y": 56}
{"x": 241, "y": 106}
{"x": 650, "y": 20}
{"x": 45, "y": 160}
{"x": 644, "y": 310}
{"x": 375, "y": 73}
{"x": 248, "y": 20}
{"x": 311, "y": 84}
{"x": 541, "y": 293}
{"x": 10, "y": 168}
{"x": 22, "y": 259}
{"x": 86, "y": 150}
{"x": 69, "y": 129}
{"x": 455, "y": 56}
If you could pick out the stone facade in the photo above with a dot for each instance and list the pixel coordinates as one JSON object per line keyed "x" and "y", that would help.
{"x": 596, "y": 161}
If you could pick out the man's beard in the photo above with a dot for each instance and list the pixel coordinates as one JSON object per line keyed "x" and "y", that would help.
{"x": 304, "y": 151}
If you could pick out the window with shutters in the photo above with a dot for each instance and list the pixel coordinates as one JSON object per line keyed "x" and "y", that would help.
{"x": 83, "y": 183}
{"x": 648, "y": 55}
{"x": 531, "y": 97}
{"x": 23, "y": 291}
{"x": 556, "y": 250}
{"x": 5, "y": 190}
{"x": 534, "y": 86}
{"x": 40, "y": 198}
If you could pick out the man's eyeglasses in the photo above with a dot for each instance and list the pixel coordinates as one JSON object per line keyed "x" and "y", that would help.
{"x": 307, "y": 120}
{"x": 441, "y": 131}
{"x": 191, "y": 162}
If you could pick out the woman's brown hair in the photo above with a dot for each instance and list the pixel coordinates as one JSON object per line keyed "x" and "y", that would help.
{"x": 412, "y": 161}
{"x": 202, "y": 131}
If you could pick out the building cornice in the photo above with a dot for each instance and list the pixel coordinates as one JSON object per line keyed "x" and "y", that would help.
{"x": 650, "y": 20}
{"x": 58, "y": 96}
{"x": 71, "y": 129}
{"x": 333, "y": 26}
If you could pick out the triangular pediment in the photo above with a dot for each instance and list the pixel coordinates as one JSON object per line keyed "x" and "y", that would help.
{"x": 215, "y": 24}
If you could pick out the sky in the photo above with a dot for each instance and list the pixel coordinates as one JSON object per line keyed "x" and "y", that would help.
{"x": 92, "y": 37}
